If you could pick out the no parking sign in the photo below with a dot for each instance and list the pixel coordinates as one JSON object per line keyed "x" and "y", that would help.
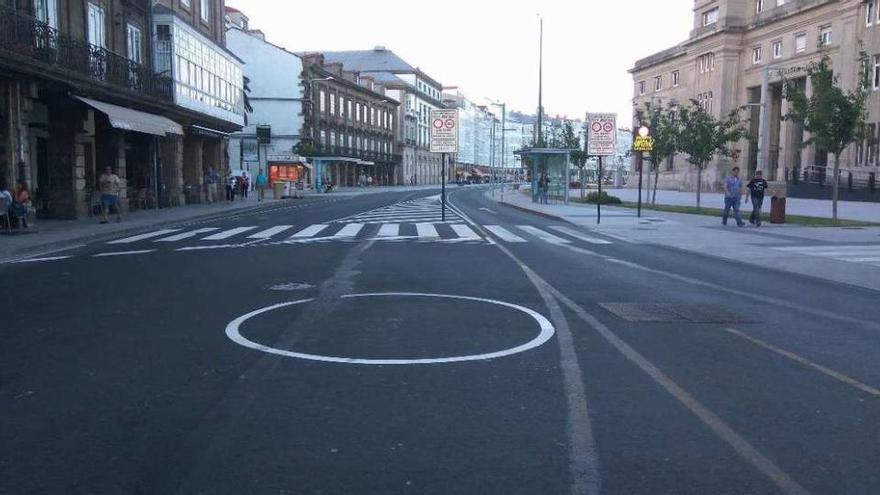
{"x": 601, "y": 134}
{"x": 444, "y": 131}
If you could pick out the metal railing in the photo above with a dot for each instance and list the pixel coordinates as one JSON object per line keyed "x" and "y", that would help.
{"x": 27, "y": 37}
{"x": 824, "y": 176}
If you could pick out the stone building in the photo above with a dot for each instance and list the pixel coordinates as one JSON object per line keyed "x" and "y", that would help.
{"x": 723, "y": 62}
{"x": 81, "y": 88}
{"x": 417, "y": 93}
{"x": 351, "y": 123}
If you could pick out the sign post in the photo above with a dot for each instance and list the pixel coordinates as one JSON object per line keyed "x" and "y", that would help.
{"x": 601, "y": 141}
{"x": 444, "y": 139}
{"x": 643, "y": 142}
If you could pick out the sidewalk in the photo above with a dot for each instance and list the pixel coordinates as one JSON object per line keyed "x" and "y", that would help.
{"x": 769, "y": 246}
{"x": 52, "y": 235}
{"x": 847, "y": 210}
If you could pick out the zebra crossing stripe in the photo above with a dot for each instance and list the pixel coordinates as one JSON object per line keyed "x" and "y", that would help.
{"x": 389, "y": 230}
{"x": 427, "y": 231}
{"x": 269, "y": 233}
{"x": 187, "y": 235}
{"x": 580, "y": 236}
{"x": 464, "y": 232}
{"x": 544, "y": 236}
{"x": 350, "y": 230}
{"x": 141, "y": 237}
{"x": 309, "y": 231}
{"x": 123, "y": 253}
{"x": 226, "y": 234}
{"x": 504, "y": 234}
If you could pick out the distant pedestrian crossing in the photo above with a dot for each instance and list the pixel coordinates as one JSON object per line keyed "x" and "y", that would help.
{"x": 866, "y": 254}
{"x": 423, "y": 210}
{"x": 459, "y": 232}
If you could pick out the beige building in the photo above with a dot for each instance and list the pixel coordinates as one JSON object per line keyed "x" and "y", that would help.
{"x": 722, "y": 64}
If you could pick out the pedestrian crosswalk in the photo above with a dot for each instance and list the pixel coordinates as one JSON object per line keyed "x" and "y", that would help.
{"x": 867, "y": 254}
{"x": 422, "y": 210}
{"x": 459, "y": 232}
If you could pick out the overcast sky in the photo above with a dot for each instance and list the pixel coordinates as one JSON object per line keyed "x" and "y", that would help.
{"x": 489, "y": 48}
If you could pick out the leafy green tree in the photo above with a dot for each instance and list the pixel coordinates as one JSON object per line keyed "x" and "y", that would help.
{"x": 704, "y": 137}
{"x": 663, "y": 122}
{"x": 578, "y": 157}
{"x": 834, "y": 118}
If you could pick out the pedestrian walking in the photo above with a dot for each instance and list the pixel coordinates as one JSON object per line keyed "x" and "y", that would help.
{"x": 110, "y": 185}
{"x": 230, "y": 188}
{"x": 261, "y": 182}
{"x": 412, "y": 180}
{"x": 733, "y": 191}
{"x": 369, "y": 181}
{"x": 245, "y": 185}
{"x": 757, "y": 186}
{"x": 210, "y": 180}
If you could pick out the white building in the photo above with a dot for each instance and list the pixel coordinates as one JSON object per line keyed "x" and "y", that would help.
{"x": 276, "y": 96}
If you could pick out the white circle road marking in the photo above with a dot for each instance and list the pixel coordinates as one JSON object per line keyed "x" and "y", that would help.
{"x": 546, "y": 333}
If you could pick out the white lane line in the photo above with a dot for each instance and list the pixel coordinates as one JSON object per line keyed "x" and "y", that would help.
{"x": 268, "y": 233}
{"x": 829, "y": 250}
{"x": 544, "y": 236}
{"x": 389, "y": 230}
{"x": 187, "y": 235}
{"x": 226, "y": 234}
{"x": 579, "y": 235}
{"x": 426, "y": 231}
{"x": 141, "y": 237}
{"x": 503, "y": 234}
{"x": 123, "y": 253}
{"x": 350, "y": 230}
{"x": 465, "y": 232}
{"x": 309, "y": 231}
{"x": 37, "y": 260}
{"x": 860, "y": 260}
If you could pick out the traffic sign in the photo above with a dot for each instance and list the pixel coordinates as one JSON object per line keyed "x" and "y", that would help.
{"x": 643, "y": 143}
{"x": 602, "y": 135}
{"x": 444, "y": 131}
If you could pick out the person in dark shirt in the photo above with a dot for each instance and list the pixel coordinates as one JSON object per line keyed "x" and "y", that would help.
{"x": 756, "y": 188}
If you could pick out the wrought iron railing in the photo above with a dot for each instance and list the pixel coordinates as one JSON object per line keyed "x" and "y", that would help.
{"x": 823, "y": 176}
{"x": 25, "y": 36}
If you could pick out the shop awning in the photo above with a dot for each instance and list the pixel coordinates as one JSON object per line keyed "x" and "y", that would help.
{"x": 134, "y": 120}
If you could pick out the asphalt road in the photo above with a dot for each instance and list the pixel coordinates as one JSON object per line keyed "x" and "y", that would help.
{"x": 360, "y": 346}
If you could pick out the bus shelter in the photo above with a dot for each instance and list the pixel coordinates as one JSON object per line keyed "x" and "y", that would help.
{"x": 553, "y": 163}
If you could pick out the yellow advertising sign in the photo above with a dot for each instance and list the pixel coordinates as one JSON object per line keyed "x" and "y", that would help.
{"x": 643, "y": 143}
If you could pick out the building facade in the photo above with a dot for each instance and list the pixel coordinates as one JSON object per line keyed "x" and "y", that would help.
{"x": 417, "y": 93}
{"x": 722, "y": 64}
{"x": 276, "y": 97}
{"x": 77, "y": 94}
{"x": 350, "y": 125}
{"x": 190, "y": 48}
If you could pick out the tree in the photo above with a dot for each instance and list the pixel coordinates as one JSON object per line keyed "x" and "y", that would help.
{"x": 665, "y": 130}
{"x": 703, "y": 137}
{"x": 834, "y": 118}
{"x": 577, "y": 156}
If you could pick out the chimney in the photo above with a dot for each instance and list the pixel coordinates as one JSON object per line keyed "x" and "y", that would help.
{"x": 379, "y": 48}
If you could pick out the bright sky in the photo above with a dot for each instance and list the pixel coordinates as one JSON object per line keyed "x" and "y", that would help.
{"x": 489, "y": 48}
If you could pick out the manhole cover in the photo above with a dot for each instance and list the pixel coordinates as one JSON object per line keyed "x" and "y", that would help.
{"x": 673, "y": 312}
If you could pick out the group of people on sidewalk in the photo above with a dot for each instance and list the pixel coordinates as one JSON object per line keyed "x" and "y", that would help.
{"x": 16, "y": 202}
{"x": 734, "y": 191}
{"x": 235, "y": 185}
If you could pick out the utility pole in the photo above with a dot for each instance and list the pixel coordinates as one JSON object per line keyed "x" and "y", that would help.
{"x": 503, "y": 149}
{"x": 539, "y": 130}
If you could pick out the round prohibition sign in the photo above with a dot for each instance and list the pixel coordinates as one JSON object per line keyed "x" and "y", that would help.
{"x": 597, "y": 127}
{"x": 438, "y": 123}
{"x": 608, "y": 127}
{"x": 546, "y": 332}
{"x": 450, "y": 124}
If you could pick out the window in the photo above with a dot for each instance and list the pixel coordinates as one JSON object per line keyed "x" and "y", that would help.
{"x": 46, "y": 11}
{"x": 876, "y": 77}
{"x": 777, "y": 49}
{"x": 869, "y": 12}
{"x": 323, "y": 141}
{"x": 756, "y": 55}
{"x": 348, "y": 110}
{"x": 658, "y": 83}
{"x": 322, "y": 101}
{"x": 641, "y": 87}
{"x": 205, "y": 10}
{"x": 134, "y": 43}
{"x": 332, "y": 104}
{"x": 759, "y": 6}
{"x": 97, "y": 26}
{"x": 707, "y": 62}
{"x": 710, "y": 17}
{"x": 676, "y": 79}
{"x": 825, "y": 36}
{"x": 800, "y": 43}
{"x": 342, "y": 106}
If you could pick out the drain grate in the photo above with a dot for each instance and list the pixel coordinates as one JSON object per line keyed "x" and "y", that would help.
{"x": 673, "y": 312}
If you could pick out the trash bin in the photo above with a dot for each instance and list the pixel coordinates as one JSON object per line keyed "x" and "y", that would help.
{"x": 278, "y": 189}
{"x": 777, "y": 210}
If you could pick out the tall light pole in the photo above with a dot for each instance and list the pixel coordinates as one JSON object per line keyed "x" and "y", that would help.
{"x": 539, "y": 130}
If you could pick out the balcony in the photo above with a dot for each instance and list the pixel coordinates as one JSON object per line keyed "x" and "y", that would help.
{"x": 341, "y": 151}
{"x": 24, "y": 36}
